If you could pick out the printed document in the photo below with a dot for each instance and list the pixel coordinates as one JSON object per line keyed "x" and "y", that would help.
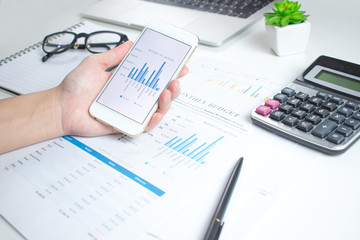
{"x": 116, "y": 187}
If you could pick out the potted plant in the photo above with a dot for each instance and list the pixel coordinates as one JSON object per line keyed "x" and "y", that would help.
{"x": 287, "y": 29}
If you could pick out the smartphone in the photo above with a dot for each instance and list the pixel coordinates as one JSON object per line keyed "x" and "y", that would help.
{"x": 130, "y": 97}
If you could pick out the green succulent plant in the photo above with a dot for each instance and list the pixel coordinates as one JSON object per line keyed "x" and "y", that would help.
{"x": 286, "y": 12}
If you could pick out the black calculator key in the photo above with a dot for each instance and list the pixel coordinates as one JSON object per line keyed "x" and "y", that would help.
{"x": 288, "y": 91}
{"x": 354, "y": 124}
{"x": 323, "y": 113}
{"x": 329, "y": 106}
{"x": 302, "y": 96}
{"x": 290, "y": 120}
{"x": 300, "y": 114}
{"x": 345, "y": 111}
{"x": 338, "y": 118}
{"x": 322, "y": 95}
{"x": 336, "y": 100}
{"x": 286, "y": 108}
{"x": 324, "y": 128}
{"x": 277, "y": 115}
{"x": 344, "y": 130}
{"x": 352, "y": 105}
{"x": 294, "y": 102}
{"x": 307, "y": 107}
{"x": 316, "y": 101}
{"x": 335, "y": 138}
{"x": 281, "y": 97}
{"x": 314, "y": 119}
{"x": 356, "y": 115}
{"x": 304, "y": 126}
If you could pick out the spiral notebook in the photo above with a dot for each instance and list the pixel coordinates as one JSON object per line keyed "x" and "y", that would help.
{"x": 24, "y": 72}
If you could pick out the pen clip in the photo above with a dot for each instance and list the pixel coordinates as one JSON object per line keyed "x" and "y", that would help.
{"x": 219, "y": 229}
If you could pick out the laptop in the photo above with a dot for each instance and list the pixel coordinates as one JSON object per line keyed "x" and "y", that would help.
{"x": 214, "y": 21}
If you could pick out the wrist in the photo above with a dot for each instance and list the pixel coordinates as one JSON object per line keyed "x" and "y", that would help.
{"x": 28, "y": 119}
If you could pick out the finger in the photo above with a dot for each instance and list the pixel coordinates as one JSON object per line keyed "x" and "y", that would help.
{"x": 174, "y": 88}
{"x": 164, "y": 106}
{"x": 114, "y": 56}
{"x": 184, "y": 71}
{"x": 164, "y": 102}
{"x": 155, "y": 119}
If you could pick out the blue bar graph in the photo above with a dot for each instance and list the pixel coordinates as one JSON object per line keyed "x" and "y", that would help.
{"x": 140, "y": 76}
{"x": 190, "y": 147}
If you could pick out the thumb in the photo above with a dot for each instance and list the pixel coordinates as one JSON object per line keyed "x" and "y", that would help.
{"x": 114, "y": 56}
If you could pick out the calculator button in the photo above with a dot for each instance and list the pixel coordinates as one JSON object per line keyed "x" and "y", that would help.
{"x": 281, "y": 97}
{"x": 323, "y": 113}
{"x": 352, "y": 105}
{"x": 286, "y": 108}
{"x": 354, "y": 124}
{"x": 344, "y": 130}
{"x": 314, "y": 119}
{"x": 335, "y": 138}
{"x": 329, "y": 106}
{"x": 322, "y": 95}
{"x": 271, "y": 103}
{"x": 304, "y": 126}
{"x": 324, "y": 128}
{"x": 356, "y": 115}
{"x": 302, "y": 96}
{"x": 336, "y": 100}
{"x": 294, "y": 102}
{"x": 345, "y": 111}
{"x": 307, "y": 107}
{"x": 338, "y": 118}
{"x": 288, "y": 91}
{"x": 291, "y": 121}
{"x": 300, "y": 114}
{"x": 316, "y": 101}
{"x": 277, "y": 115}
{"x": 263, "y": 110}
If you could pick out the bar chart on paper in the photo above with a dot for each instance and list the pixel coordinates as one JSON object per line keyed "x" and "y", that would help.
{"x": 190, "y": 147}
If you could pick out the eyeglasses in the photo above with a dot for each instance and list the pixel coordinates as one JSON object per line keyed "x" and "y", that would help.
{"x": 95, "y": 42}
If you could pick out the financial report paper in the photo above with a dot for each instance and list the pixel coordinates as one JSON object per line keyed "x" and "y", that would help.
{"x": 113, "y": 187}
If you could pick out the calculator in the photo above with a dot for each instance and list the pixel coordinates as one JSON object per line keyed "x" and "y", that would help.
{"x": 319, "y": 109}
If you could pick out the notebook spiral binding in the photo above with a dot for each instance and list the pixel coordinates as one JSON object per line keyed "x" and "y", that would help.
{"x": 32, "y": 47}
{"x": 20, "y": 53}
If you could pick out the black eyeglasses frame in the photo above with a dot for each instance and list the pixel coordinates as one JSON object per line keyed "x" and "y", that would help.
{"x": 123, "y": 38}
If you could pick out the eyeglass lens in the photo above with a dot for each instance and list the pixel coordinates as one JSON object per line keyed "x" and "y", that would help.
{"x": 59, "y": 42}
{"x": 101, "y": 42}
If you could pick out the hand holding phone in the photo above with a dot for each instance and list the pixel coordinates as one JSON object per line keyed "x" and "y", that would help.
{"x": 130, "y": 97}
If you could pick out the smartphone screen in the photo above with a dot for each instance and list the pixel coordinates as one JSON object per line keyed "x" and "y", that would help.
{"x": 146, "y": 71}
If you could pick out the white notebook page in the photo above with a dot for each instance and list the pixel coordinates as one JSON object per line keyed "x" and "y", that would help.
{"x": 24, "y": 72}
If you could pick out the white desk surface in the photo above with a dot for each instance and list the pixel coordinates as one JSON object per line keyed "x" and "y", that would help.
{"x": 323, "y": 202}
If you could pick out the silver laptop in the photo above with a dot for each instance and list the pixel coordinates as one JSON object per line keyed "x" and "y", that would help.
{"x": 214, "y": 21}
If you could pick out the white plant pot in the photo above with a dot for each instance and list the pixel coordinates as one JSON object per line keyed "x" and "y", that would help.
{"x": 291, "y": 39}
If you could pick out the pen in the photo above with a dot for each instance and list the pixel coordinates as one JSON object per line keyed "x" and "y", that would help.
{"x": 216, "y": 224}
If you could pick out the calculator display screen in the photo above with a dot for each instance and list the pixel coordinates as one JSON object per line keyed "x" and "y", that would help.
{"x": 334, "y": 79}
{"x": 339, "y": 80}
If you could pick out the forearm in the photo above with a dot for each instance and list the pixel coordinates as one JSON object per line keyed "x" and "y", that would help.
{"x": 29, "y": 119}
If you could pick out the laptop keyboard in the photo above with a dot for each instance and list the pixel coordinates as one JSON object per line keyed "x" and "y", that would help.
{"x": 235, "y": 8}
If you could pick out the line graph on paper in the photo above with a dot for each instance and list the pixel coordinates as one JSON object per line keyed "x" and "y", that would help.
{"x": 228, "y": 81}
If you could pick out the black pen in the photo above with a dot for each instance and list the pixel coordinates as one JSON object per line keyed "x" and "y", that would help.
{"x": 217, "y": 223}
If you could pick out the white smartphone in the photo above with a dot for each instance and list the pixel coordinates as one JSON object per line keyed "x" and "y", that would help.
{"x": 129, "y": 98}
